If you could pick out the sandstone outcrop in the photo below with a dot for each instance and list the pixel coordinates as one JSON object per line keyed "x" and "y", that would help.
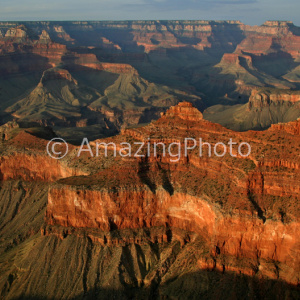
{"x": 185, "y": 111}
{"x": 291, "y": 127}
{"x": 266, "y": 107}
{"x": 156, "y": 35}
{"x": 223, "y": 217}
{"x": 93, "y": 225}
{"x": 264, "y": 98}
{"x": 236, "y": 59}
{"x": 228, "y": 204}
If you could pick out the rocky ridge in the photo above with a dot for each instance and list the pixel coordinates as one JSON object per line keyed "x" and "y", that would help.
{"x": 233, "y": 60}
{"x": 244, "y": 210}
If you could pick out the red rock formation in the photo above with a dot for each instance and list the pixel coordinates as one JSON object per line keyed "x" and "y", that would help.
{"x": 239, "y": 235}
{"x": 30, "y": 167}
{"x": 118, "y": 68}
{"x": 234, "y": 58}
{"x": 55, "y": 74}
{"x": 61, "y": 33}
{"x": 263, "y": 98}
{"x": 291, "y": 128}
{"x": 266, "y": 39}
{"x": 52, "y": 51}
{"x": 91, "y": 61}
{"x": 18, "y": 32}
{"x": 26, "y": 158}
{"x": 159, "y": 35}
{"x": 129, "y": 197}
{"x": 20, "y": 43}
{"x": 44, "y": 36}
{"x": 185, "y": 111}
{"x": 247, "y": 225}
{"x": 243, "y": 207}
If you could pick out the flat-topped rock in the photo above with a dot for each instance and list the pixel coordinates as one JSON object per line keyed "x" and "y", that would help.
{"x": 184, "y": 110}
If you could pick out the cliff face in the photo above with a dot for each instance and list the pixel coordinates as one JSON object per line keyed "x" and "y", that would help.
{"x": 237, "y": 235}
{"x": 261, "y": 98}
{"x": 24, "y": 158}
{"x": 75, "y": 61}
{"x": 236, "y": 59}
{"x": 126, "y": 226}
{"x": 242, "y": 208}
{"x": 151, "y": 36}
{"x": 269, "y": 38}
{"x": 291, "y": 127}
{"x": 221, "y": 62}
{"x": 144, "y": 220}
{"x": 184, "y": 111}
{"x": 32, "y": 168}
{"x": 265, "y": 108}
{"x": 21, "y": 41}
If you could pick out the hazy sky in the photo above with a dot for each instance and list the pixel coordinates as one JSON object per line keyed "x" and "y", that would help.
{"x": 248, "y": 11}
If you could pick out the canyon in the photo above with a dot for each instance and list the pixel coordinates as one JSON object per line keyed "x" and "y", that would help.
{"x": 266, "y": 107}
{"x": 142, "y": 226}
{"x": 149, "y": 227}
{"x": 128, "y": 72}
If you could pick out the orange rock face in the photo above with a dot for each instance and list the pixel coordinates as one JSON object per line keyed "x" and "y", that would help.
{"x": 37, "y": 52}
{"x": 184, "y": 111}
{"x": 244, "y": 208}
{"x": 91, "y": 61}
{"x": 26, "y": 159}
{"x": 32, "y": 168}
{"x": 240, "y": 212}
{"x": 264, "y": 40}
{"x": 260, "y": 99}
{"x": 291, "y": 127}
{"x": 234, "y": 58}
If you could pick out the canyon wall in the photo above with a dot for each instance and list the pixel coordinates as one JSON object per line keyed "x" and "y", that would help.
{"x": 241, "y": 208}
{"x": 264, "y": 98}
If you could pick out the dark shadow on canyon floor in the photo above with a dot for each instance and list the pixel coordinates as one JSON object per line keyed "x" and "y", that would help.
{"x": 200, "y": 285}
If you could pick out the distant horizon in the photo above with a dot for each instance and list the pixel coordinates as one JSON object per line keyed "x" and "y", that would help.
{"x": 250, "y": 12}
{"x": 147, "y": 20}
